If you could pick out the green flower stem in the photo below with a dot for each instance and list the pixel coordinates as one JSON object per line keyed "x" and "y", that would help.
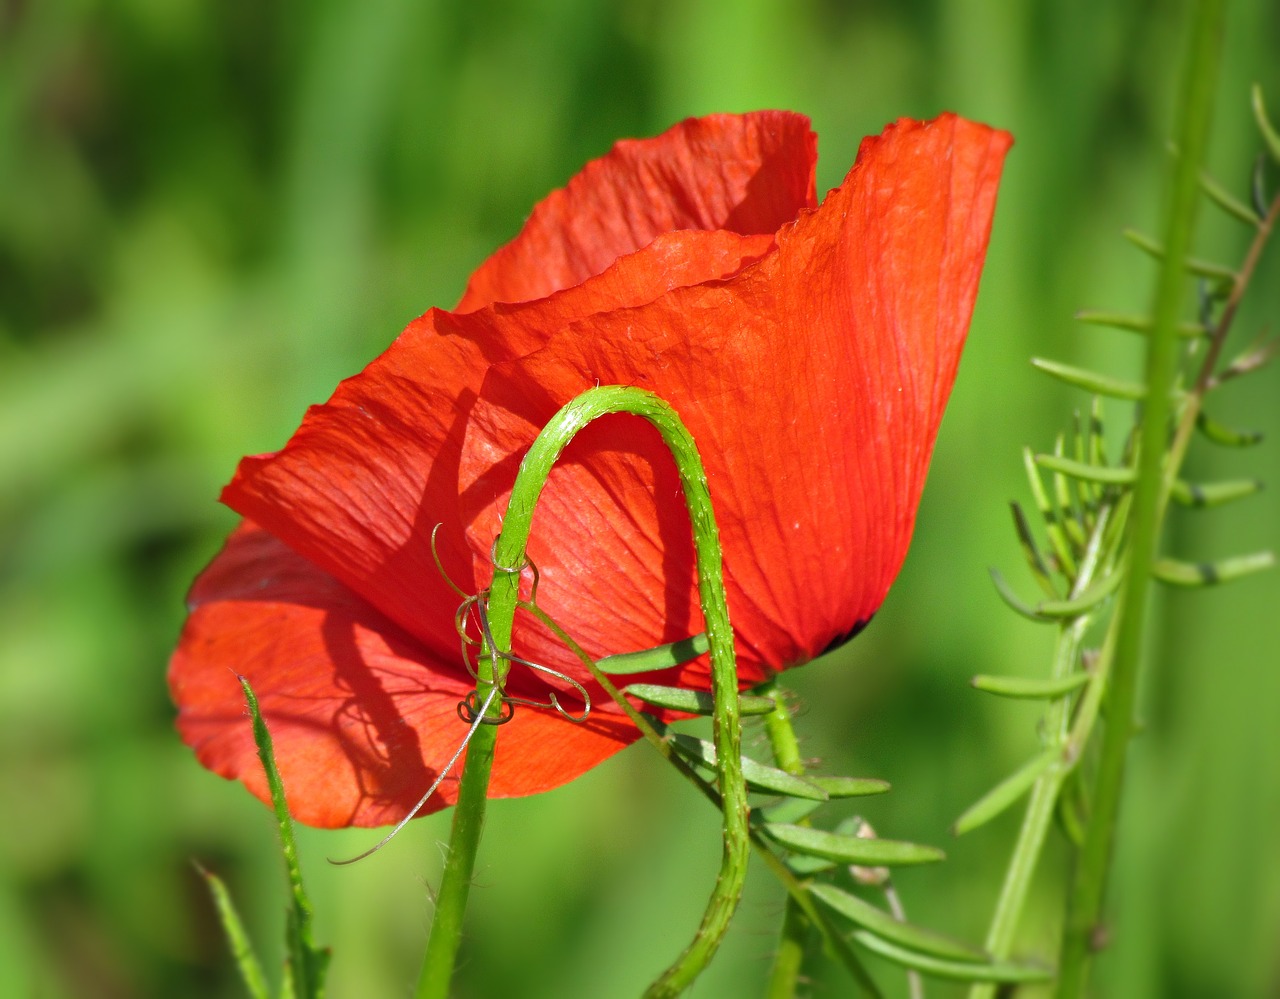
{"x": 788, "y": 960}
{"x": 1084, "y": 909}
{"x": 503, "y": 597}
{"x": 455, "y": 880}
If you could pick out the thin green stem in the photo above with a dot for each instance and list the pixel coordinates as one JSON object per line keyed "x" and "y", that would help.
{"x": 502, "y": 599}
{"x": 1089, "y": 883}
{"x": 788, "y": 959}
{"x": 1002, "y": 933}
{"x": 782, "y": 735}
{"x": 1204, "y": 380}
{"x": 455, "y": 880}
{"x": 793, "y": 941}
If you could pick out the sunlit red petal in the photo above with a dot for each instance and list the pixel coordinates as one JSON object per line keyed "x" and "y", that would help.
{"x": 363, "y": 482}
{"x": 749, "y": 174}
{"x": 813, "y": 381}
{"x": 359, "y": 712}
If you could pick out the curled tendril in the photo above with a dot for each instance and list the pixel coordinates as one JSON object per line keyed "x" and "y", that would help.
{"x": 475, "y": 724}
{"x": 477, "y": 608}
{"x": 471, "y": 709}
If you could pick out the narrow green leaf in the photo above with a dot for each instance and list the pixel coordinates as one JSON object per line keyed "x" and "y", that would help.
{"x": 1213, "y": 493}
{"x": 1035, "y": 559}
{"x": 1082, "y": 604}
{"x": 1012, "y": 600}
{"x": 1269, "y": 134}
{"x": 850, "y": 849}
{"x": 1088, "y": 494}
{"x": 1057, "y": 610}
{"x": 1097, "y": 434}
{"x": 308, "y": 964}
{"x": 1005, "y": 793}
{"x": 1091, "y": 381}
{"x": 1225, "y": 277}
{"x": 804, "y": 866}
{"x": 659, "y": 657}
{"x": 1177, "y": 573}
{"x": 1030, "y": 688}
{"x": 887, "y": 927}
{"x": 1057, "y": 539}
{"x": 1070, "y": 810}
{"x": 957, "y": 971}
{"x": 1131, "y": 323}
{"x": 758, "y": 776}
{"x": 1067, "y": 512}
{"x": 1111, "y": 475}
{"x": 1227, "y": 201}
{"x": 255, "y": 981}
{"x": 850, "y": 787}
{"x": 695, "y": 702}
{"x": 1227, "y": 436}
{"x": 788, "y": 810}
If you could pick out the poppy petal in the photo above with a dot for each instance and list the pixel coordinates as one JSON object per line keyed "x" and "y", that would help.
{"x": 813, "y": 381}
{"x": 359, "y": 712}
{"x": 749, "y": 174}
{"x": 359, "y": 488}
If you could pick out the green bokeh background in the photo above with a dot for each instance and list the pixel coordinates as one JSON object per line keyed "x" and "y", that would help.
{"x": 212, "y": 212}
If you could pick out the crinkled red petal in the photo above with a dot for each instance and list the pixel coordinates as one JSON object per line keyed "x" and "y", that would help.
{"x": 749, "y": 174}
{"x": 362, "y": 716}
{"x": 362, "y": 484}
{"x": 813, "y": 381}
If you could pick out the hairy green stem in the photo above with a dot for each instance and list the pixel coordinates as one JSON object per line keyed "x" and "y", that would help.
{"x": 455, "y": 880}
{"x": 1084, "y": 911}
{"x": 503, "y": 597}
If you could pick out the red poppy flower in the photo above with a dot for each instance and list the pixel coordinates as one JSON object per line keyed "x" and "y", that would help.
{"x": 809, "y": 350}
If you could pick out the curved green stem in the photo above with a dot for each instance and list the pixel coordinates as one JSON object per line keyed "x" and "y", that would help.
{"x": 503, "y": 597}
{"x": 1089, "y": 882}
{"x": 798, "y": 891}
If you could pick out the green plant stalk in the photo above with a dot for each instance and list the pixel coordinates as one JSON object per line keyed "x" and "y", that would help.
{"x": 509, "y": 557}
{"x": 307, "y": 964}
{"x": 455, "y": 880}
{"x": 788, "y": 959}
{"x": 1084, "y": 909}
{"x": 1002, "y": 933}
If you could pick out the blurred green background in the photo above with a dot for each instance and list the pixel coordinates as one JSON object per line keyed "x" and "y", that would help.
{"x": 212, "y": 212}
